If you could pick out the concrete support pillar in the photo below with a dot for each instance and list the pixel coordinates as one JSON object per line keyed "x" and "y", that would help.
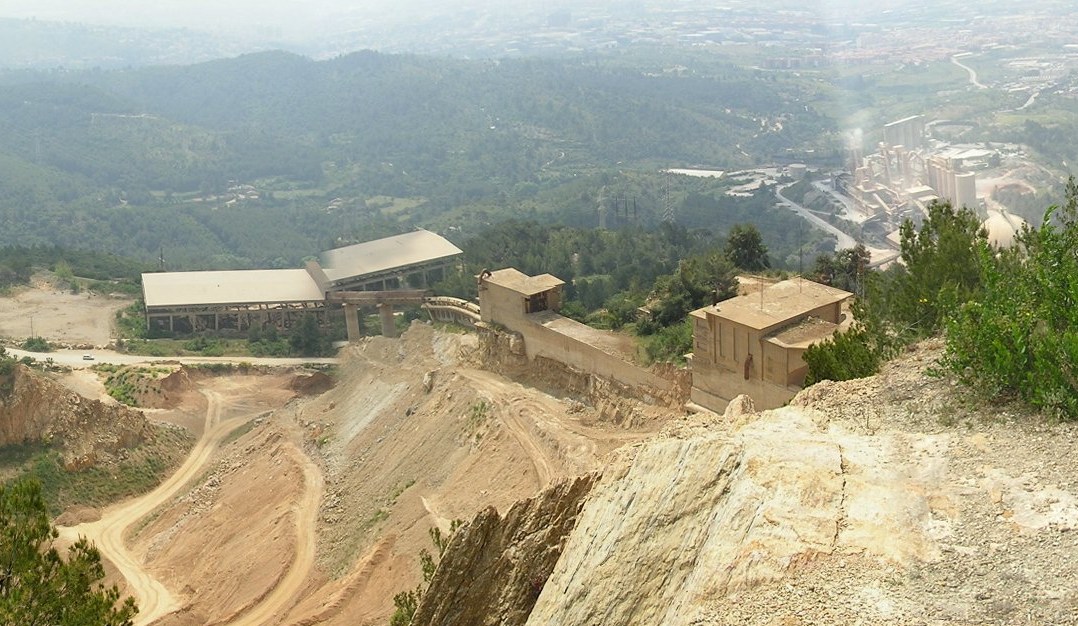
{"x": 351, "y": 322}
{"x": 389, "y": 325}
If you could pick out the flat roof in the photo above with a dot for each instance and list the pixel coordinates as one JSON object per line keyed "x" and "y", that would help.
{"x": 903, "y": 121}
{"x": 518, "y": 281}
{"x": 171, "y": 289}
{"x": 803, "y": 334}
{"x": 778, "y": 303}
{"x": 381, "y": 255}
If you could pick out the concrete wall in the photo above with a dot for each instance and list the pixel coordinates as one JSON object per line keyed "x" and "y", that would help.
{"x": 715, "y": 388}
{"x": 540, "y": 341}
{"x": 506, "y": 307}
{"x": 500, "y": 305}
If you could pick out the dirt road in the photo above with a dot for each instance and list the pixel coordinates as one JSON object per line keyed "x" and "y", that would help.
{"x": 286, "y": 592}
{"x": 540, "y": 426}
{"x": 154, "y": 599}
{"x": 76, "y": 358}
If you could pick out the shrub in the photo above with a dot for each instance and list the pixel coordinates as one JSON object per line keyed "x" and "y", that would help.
{"x": 669, "y": 344}
{"x": 845, "y": 356}
{"x": 405, "y": 603}
{"x": 1020, "y": 338}
{"x": 36, "y": 344}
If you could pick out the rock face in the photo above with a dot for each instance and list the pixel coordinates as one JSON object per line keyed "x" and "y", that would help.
{"x": 698, "y": 516}
{"x": 494, "y": 568}
{"x": 36, "y": 409}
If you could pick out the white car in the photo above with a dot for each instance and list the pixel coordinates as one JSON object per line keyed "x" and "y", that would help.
{"x": 87, "y": 357}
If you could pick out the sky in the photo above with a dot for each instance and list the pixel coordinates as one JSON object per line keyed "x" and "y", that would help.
{"x": 289, "y": 17}
{"x": 301, "y": 16}
{"x": 309, "y": 22}
{"x": 279, "y": 12}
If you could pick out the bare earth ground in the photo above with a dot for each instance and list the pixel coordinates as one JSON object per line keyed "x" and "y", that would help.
{"x": 224, "y": 404}
{"x": 399, "y": 460}
{"x": 61, "y": 317}
{"x": 318, "y": 513}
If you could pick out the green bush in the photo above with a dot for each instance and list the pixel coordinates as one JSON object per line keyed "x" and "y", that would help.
{"x": 669, "y": 344}
{"x": 405, "y": 603}
{"x": 36, "y": 344}
{"x": 1019, "y": 339}
{"x": 130, "y": 323}
{"x": 845, "y": 356}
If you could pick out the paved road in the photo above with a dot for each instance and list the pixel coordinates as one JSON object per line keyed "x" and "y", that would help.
{"x": 852, "y": 212}
{"x": 972, "y": 73}
{"x": 844, "y": 240}
{"x": 74, "y": 358}
{"x": 879, "y": 256}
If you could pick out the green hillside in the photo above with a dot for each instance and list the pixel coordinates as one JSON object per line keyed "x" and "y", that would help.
{"x": 263, "y": 159}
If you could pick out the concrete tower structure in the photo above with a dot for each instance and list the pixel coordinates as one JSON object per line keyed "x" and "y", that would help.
{"x": 965, "y": 190}
{"x": 908, "y": 132}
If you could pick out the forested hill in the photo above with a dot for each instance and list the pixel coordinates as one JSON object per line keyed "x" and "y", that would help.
{"x": 80, "y": 151}
{"x": 422, "y": 112}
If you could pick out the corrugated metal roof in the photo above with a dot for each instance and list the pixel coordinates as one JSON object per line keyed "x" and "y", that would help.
{"x": 381, "y": 255}
{"x": 170, "y": 289}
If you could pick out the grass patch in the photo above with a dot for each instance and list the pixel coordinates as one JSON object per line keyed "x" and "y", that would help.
{"x": 142, "y": 469}
{"x": 400, "y": 490}
{"x": 379, "y": 516}
{"x": 127, "y": 384}
{"x": 200, "y": 346}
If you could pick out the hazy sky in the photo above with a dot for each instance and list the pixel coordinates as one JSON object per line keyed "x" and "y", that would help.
{"x": 297, "y": 20}
{"x": 291, "y": 15}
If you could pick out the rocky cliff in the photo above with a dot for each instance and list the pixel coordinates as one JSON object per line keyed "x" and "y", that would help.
{"x": 495, "y": 567}
{"x": 34, "y": 408}
{"x": 882, "y": 501}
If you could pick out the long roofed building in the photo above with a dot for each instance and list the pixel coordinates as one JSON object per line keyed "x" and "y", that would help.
{"x": 188, "y": 302}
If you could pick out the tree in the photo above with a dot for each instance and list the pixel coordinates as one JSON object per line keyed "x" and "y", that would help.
{"x": 37, "y": 586}
{"x": 1018, "y": 338}
{"x": 943, "y": 266}
{"x": 698, "y": 281}
{"x": 307, "y": 338}
{"x": 745, "y": 248}
{"x": 845, "y": 270}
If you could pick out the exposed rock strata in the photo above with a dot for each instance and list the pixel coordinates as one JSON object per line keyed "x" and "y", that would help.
{"x": 711, "y": 514}
{"x": 37, "y": 409}
{"x": 495, "y": 567}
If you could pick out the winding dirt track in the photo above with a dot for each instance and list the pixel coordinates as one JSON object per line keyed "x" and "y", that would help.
{"x": 154, "y": 599}
{"x": 552, "y": 441}
{"x": 287, "y": 590}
